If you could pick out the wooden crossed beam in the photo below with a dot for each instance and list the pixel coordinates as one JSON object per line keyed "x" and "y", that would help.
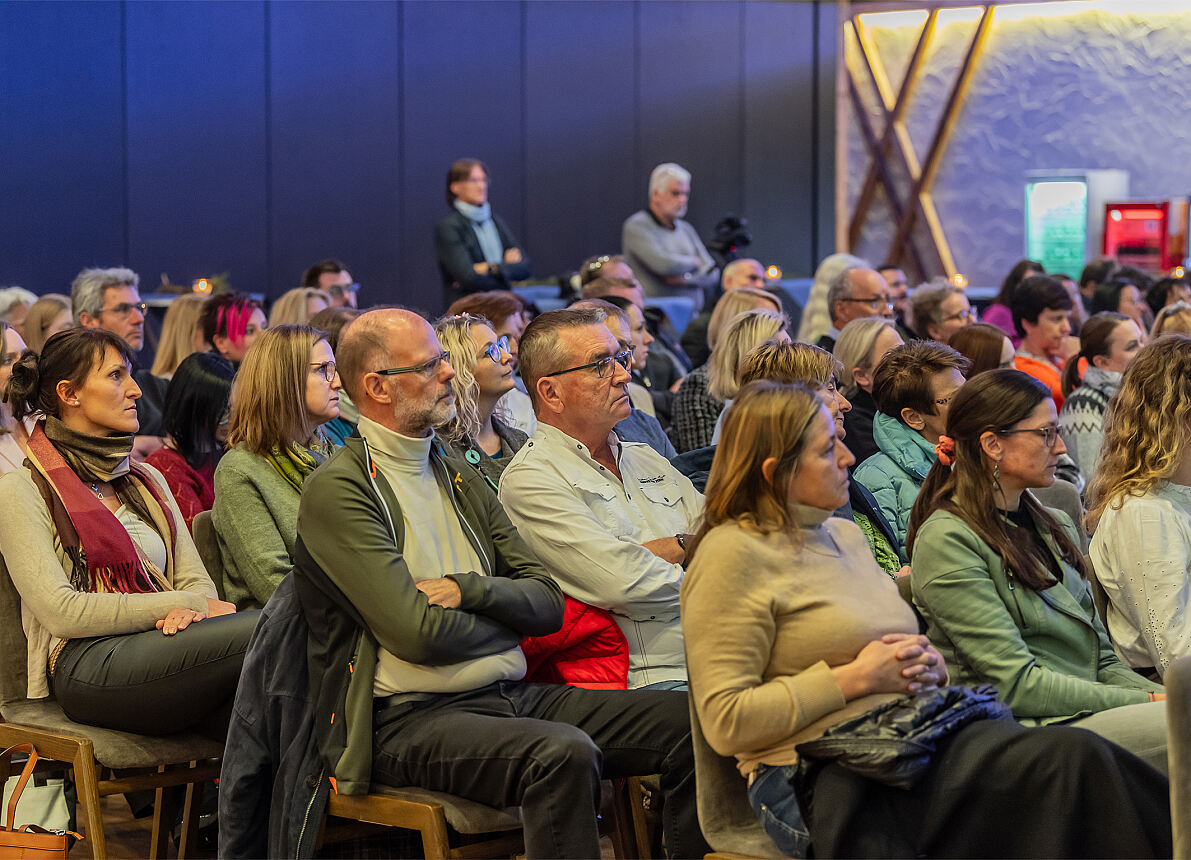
{"x": 895, "y": 137}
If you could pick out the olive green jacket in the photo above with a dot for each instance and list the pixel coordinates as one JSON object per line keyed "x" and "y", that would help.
{"x": 1046, "y": 652}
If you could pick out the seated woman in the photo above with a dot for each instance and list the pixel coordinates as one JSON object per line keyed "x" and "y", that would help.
{"x": 287, "y": 388}
{"x": 1042, "y": 313}
{"x": 1141, "y": 505}
{"x": 1172, "y": 319}
{"x": 986, "y": 346}
{"x": 231, "y": 323}
{"x": 1107, "y": 343}
{"x": 791, "y": 629}
{"x": 181, "y": 334}
{"x": 49, "y": 315}
{"x": 332, "y": 322}
{"x": 14, "y": 435}
{"x": 740, "y": 335}
{"x": 998, "y": 313}
{"x": 509, "y": 315}
{"x": 195, "y": 426}
{"x": 1167, "y": 292}
{"x": 97, "y": 550}
{"x": 861, "y": 345}
{"x": 1000, "y": 579}
{"x": 483, "y": 374}
{"x": 1122, "y": 296}
{"x": 298, "y": 306}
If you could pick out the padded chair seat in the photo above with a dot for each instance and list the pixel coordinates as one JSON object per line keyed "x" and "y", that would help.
{"x": 113, "y": 749}
{"x": 465, "y": 816}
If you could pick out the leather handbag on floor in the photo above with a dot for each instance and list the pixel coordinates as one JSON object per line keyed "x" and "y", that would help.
{"x": 29, "y": 841}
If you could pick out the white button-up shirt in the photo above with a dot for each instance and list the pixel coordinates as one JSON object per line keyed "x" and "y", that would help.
{"x": 588, "y": 528}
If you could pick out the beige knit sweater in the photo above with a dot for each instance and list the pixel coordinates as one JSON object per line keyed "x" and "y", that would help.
{"x": 765, "y": 617}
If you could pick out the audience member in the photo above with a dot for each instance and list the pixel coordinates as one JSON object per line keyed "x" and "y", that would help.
{"x": 96, "y": 549}
{"x": 664, "y": 251}
{"x": 743, "y": 273}
{"x": 332, "y": 322}
{"x": 899, "y": 296}
{"x": 1140, "y": 503}
{"x": 986, "y": 346}
{"x": 816, "y": 318}
{"x": 861, "y": 346}
{"x": 1098, "y": 271}
{"x": 1041, "y": 314}
{"x": 298, "y": 306}
{"x": 629, "y": 330}
{"x": 854, "y": 293}
{"x": 1001, "y": 581}
{"x": 108, "y": 299}
{"x": 1107, "y": 343}
{"x": 47, "y": 316}
{"x": 607, "y": 518}
{"x": 231, "y": 323}
{"x": 1079, "y": 314}
{"x": 286, "y": 389}
{"x": 791, "y": 630}
{"x": 1120, "y": 296}
{"x": 333, "y": 278}
{"x": 509, "y": 314}
{"x": 913, "y": 386}
{"x": 732, "y": 305}
{"x": 1168, "y": 291}
{"x": 939, "y": 312}
{"x": 1172, "y": 319}
{"x": 483, "y": 374}
{"x": 476, "y": 249}
{"x": 434, "y": 640}
{"x": 15, "y": 303}
{"x": 999, "y": 313}
{"x": 14, "y": 434}
{"x": 195, "y": 425}
{"x": 181, "y": 334}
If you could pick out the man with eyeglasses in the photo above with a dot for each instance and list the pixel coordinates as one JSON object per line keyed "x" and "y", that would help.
{"x": 108, "y": 299}
{"x": 852, "y": 294}
{"x": 940, "y": 310}
{"x": 333, "y": 278}
{"x": 418, "y": 592}
{"x": 608, "y": 518}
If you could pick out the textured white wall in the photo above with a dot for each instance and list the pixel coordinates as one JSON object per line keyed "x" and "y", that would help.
{"x": 1091, "y": 89}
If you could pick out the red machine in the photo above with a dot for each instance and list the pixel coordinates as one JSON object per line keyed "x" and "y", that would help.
{"x": 1150, "y": 235}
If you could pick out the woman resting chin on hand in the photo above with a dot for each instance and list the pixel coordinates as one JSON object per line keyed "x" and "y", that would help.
{"x": 791, "y": 628}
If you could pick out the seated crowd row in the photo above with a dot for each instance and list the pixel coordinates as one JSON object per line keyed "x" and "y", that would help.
{"x": 517, "y": 546}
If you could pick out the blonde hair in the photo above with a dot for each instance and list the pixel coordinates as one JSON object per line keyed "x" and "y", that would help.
{"x": 1172, "y": 319}
{"x": 293, "y": 308}
{"x": 789, "y": 363}
{"x": 855, "y": 348}
{"x": 1146, "y": 427}
{"x": 735, "y": 302}
{"x": 743, "y": 333}
{"x": 767, "y": 419}
{"x": 268, "y": 403}
{"x": 41, "y": 316}
{"x": 181, "y": 333}
{"x": 454, "y": 333}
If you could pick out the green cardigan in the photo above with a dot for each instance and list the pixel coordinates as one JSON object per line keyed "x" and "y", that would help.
{"x": 1046, "y": 652}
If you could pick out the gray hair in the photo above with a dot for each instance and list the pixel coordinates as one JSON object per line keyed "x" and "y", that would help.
{"x": 926, "y": 304}
{"x": 660, "y": 178}
{"x": 541, "y": 352}
{"x": 607, "y": 308}
{"x": 839, "y": 288}
{"x": 11, "y": 296}
{"x": 86, "y": 293}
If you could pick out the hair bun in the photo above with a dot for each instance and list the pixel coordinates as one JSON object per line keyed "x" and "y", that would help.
{"x": 21, "y": 391}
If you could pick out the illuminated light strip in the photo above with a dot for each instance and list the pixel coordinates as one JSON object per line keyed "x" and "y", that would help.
{"x": 1022, "y": 11}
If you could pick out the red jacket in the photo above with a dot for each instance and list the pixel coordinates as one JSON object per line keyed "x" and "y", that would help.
{"x": 589, "y": 651}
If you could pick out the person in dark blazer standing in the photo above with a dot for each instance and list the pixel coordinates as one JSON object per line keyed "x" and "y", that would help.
{"x": 476, "y": 249}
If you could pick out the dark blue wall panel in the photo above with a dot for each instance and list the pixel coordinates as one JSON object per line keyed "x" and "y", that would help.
{"x": 61, "y": 142}
{"x": 334, "y": 135}
{"x": 196, "y": 141}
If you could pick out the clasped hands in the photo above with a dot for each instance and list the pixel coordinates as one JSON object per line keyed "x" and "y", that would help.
{"x": 179, "y": 618}
{"x": 903, "y": 663}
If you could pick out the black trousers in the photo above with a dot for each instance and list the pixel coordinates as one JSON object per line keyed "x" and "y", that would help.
{"x": 999, "y": 789}
{"x": 153, "y": 684}
{"x": 544, "y": 748}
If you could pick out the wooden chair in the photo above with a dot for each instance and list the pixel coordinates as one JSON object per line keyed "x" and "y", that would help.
{"x": 207, "y": 542}
{"x": 1178, "y": 751}
{"x": 180, "y": 760}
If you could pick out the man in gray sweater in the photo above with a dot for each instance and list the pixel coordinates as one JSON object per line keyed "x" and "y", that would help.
{"x": 664, "y": 251}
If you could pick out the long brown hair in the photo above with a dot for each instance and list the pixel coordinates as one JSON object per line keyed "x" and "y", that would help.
{"x": 982, "y": 344}
{"x": 992, "y": 401}
{"x": 767, "y": 419}
{"x": 1094, "y": 337}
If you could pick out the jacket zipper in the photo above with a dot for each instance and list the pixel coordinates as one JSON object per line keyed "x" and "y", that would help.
{"x": 306, "y": 817}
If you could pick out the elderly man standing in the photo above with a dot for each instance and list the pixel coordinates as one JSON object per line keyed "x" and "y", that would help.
{"x": 608, "y": 518}
{"x": 418, "y": 592}
{"x": 852, "y": 294}
{"x": 664, "y": 251}
{"x": 108, "y": 299}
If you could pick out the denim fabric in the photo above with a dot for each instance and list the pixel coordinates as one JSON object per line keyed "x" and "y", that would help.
{"x": 771, "y": 795}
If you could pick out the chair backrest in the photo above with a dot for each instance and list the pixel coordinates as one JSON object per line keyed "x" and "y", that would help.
{"x": 1062, "y": 496}
{"x": 1099, "y": 595}
{"x": 679, "y": 309}
{"x": 207, "y": 542}
{"x": 725, "y": 816}
{"x": 1178, "y": 751}
{"x": 14, "y": 648}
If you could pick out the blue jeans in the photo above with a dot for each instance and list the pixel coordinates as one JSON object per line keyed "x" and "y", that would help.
{"x": 772, "y": 797}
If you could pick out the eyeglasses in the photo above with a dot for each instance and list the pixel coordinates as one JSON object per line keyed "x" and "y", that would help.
{"x": 967, "y": 314}
{"x": 340, "y": 289}
{"x": 874, "y": 303}
{"x": 426, "y": 368}
{"x": 124, "y": 309}
{"x": 327, "y": 370}
{"x": 1049, "y": 433}
{"x": 493, "y": 350}
{"x": 603, "y": 365}
{"x": 943, "y": 401}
